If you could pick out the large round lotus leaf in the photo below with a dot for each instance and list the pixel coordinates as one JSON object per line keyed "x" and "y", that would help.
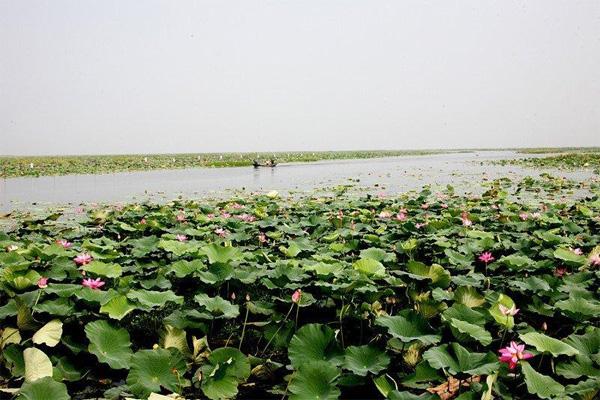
{"x": 220, "y": 254}
{"x": 409, "y": 326}
{"x": 43, "y": 389}
{"x": 103, "y": 269}
{"x": 117, "y": 307}
{"x": 151, "y": 298}
{"x": 456, "y": 359}
{"x": 49, "y": 334}
{"x": 37, "y": 364}
{"x": 548, "y": 344}
{"x": 364, "y": 359}
{"x": 225, "y": 369}
{"x": 315, "y": 380}
{"x": 541, "y": 385}
{"x": 314, "y": 342}
{"x": 152, "y": 370}
{"x": 217, "y": 306}
{"x": 369, "y": 267}
{"x": 111, "y": 345}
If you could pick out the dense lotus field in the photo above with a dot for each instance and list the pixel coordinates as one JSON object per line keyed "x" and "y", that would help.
{"x": 421, "y": 296}
{"x": 65, "y": 165}
{"x": 567, "y": 161}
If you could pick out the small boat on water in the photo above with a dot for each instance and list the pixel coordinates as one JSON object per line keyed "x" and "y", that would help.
{"x": 267, "y": 163}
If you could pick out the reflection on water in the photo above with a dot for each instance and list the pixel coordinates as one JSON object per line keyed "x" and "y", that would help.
{"x": 395, "y": 174}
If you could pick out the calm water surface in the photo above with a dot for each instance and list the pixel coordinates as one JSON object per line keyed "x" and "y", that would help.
{"x": 392, "y": 175}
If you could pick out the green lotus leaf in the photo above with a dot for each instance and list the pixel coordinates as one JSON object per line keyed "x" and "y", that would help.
{"x": 315, "y": 380}
{"x": 468, "y": 296}
{"x": 109, "y": 344}
{"x": 103, "y": 269}
{"x": 152, "y": 370}
{"x": 456, "y": 359}
{"x": 569, "y": 257}
{"x": 117, "y": 307}
{"x": 364, "y": 359}
{"x": 217, "y": 306}
{"x": 540, "y": 385}
{"x": 225, "y": 369}
{"x": 176, "y": 338}
{"x": 474, "y": 331}
{"x": 151, "y": 299}
{"x": 548, "y": 344}
{"x": 314, "y": 342}
{"x": 369, "y": 267}
{"x": 144, "y": 246}
{"x": 43, "y": 389}
{"x": 184, "y": 268}
{"x": 221, "y": 254}
{"x": 408, "y": 326}
{"x": 438, "y": 276}
{"x": 177, "y": 248}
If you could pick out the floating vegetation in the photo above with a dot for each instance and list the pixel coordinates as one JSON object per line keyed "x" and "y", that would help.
{"x": 422, "y": 296}
{"x": 65, "y": 165}
{"x": 568, "y": 161}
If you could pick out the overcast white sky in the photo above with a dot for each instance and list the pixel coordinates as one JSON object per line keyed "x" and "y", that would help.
{"x": 192, "y": 76}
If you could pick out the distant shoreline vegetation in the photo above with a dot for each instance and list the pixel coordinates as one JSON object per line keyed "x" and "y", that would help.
{"x": 21, "y": 166}
{"x": 33, "y": 166}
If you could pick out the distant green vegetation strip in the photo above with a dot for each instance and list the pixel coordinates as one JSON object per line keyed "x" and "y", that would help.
{"x": 567, "y": 161}
{"x": 65, "y": 165}
{"x": 546, "y": 150}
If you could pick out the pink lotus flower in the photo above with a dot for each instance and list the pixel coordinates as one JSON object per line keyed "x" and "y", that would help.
{"x": 225, "y": 214}
{"x": 181, "y": 238}
{"x": 143, "y": 221}
{"x": 42, "y": 283}
{"x": 11, "y": 247}
{"x": 425, "y": 206}
{"x": 340, "y": 214}
{"x": 221, "y": 232}
{"x": 385, "y": 214}
{"x": 64, "y": 243}
{"x": 524, "y": 216}
{"x": 180, "y": 217}
{"x": 246, "y": 217}
{"x": 595, "y": 259}
{"x": 444, "y": 205}
{"x": 94, "y": 284}
{"x": 401, "y": 216}
{"x": 513, "y": 353}
{"x": 236, "y": 206}
{"x": 486, "y": 257}
{"x": 210, "y": 216}
{"x": 262, "y": 238}
{"x": 508, "y": 311}
{"x": 577, "y": 251}
{"x": 536, "y": 215}
{"x": 420, "y": 225}
{"x": 296, "y": 296}
{"x": 83, "y": 259}
{"x": 465, "y": 219}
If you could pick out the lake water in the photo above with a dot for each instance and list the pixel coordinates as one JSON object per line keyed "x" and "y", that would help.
{"x": 391, "y": 175}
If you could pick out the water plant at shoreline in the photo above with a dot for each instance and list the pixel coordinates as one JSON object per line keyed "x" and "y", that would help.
{"x": 567, "y": 161}
{"x": 316, "y": 297}
{"x": 18, "y": 166}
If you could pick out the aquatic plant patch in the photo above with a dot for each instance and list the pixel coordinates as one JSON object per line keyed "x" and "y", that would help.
{"x": 567, "y": 161}
{"x": 101, "y": 164}
{"x": 420, "y": 296}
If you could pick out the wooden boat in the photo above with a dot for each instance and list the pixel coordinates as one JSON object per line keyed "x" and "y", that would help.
{"x": 268, "y": 163}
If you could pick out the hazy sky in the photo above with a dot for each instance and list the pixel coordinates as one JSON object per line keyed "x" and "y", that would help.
{"x": 191, "y": 76}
